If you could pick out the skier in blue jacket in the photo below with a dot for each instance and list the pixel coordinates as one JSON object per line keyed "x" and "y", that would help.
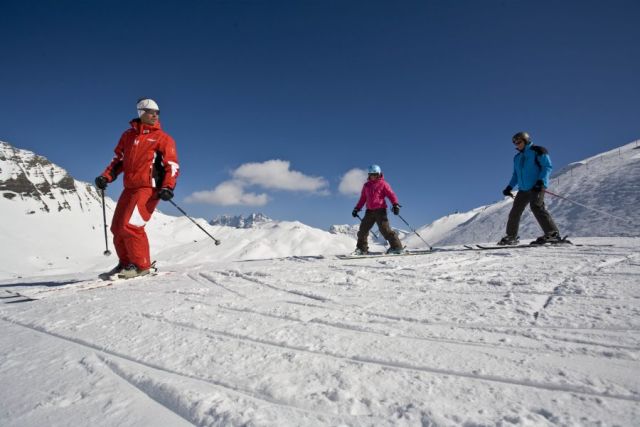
{"x": 531, "y": 170}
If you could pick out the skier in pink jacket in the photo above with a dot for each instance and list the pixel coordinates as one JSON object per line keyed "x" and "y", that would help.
{"x": 373, "y": 194}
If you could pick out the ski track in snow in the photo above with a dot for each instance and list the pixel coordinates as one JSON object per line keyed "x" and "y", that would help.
{"x": 151, "y": 390}
{"x": 392, "y": 365}
{"x": 464, "y": 320}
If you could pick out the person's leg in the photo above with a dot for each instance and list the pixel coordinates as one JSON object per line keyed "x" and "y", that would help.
{"x": 519, "y": 203}
{"x": 363, "y": 232}
{"x": 117, "y": 224}
{"x": 542, "y": 214}
{"x": 143, "y": 203}
{"x": 385, "y": 229}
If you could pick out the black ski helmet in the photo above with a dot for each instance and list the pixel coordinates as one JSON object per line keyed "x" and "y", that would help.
{"x": 523, "y": 136}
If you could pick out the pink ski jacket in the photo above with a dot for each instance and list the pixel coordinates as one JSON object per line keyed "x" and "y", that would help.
{"x": 374, "y": 192}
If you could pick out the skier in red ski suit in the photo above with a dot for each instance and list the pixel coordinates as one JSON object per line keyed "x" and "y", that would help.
{"x": 147, "y": 157}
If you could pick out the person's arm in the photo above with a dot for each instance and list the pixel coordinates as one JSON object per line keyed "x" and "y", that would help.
{"x": 388, "y": 192}
{"x": 545, "y": 169}
{"x": 362, "y": 200}
{"x": 115, "y": 167}
{"x": 514, "y": 176}
{"x": 170, "y": 162}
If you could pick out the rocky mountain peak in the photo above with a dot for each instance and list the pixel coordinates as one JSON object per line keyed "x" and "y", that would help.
{"x": 26, "y": 176}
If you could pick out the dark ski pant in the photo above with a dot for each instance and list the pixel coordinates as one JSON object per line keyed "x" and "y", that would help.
{"x": 535, "y": 199}
{"x": 377, "y": 216}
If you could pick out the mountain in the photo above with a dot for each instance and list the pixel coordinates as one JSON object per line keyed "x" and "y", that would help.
{"x": 43, "y": 186}
{"x": 604, "y": 194}
{"x": 240, "y": 221}
{"x": 53, "y": 224}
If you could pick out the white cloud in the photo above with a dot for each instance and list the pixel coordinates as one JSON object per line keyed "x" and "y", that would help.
{"x": 269, "y": 175}
{"x": 229, "y": 193}
{"x": 276, "y": 175}
{"x": 352, "y": 181}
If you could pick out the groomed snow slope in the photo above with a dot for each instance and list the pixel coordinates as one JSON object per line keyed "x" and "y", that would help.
{"x": 530, "y": 337}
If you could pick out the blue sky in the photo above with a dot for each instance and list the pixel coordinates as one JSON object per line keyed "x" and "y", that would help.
{"x": 272, "y": 102}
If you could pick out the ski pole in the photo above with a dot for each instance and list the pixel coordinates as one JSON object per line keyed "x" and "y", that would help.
{"x": 587, "y": 207}
{"x": 372, "y": 232}
{"x": 107, "y": 252}
{"x": 430, "y": 248}
{"x": 198, "y": 225}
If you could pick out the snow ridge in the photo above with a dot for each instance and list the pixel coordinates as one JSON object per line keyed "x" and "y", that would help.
{"x": 609, "y": 182}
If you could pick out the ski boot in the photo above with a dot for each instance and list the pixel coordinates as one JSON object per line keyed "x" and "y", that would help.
{"x": 549, "y": 238}
{"x": 108, "y": 275}
{"x": 131, "y": 271}
{"x": 395, "y": 251}
{"x": 359, "y": 251}
{"x": 509, "y": 241}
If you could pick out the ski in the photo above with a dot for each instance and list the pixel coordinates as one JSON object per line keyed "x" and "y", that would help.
{"x": 488, "y": 248}
{"x": 80, "y": 286}
{"x": 547, "y": 245}
{"x": 383, "y": 254}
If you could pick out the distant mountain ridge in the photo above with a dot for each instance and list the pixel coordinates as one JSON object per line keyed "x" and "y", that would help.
{"x": 240, "y": 221}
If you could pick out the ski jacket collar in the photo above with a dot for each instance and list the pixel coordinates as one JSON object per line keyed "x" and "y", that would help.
{"x": 142, "y": 128}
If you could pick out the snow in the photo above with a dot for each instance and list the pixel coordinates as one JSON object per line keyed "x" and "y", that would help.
{"x": 536, "y": 336}
{"x": 271, "y": 329}
{"x": 608, "y": 184}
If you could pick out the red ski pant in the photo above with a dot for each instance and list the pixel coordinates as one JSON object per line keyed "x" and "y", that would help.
{"x": 133, "y": 211}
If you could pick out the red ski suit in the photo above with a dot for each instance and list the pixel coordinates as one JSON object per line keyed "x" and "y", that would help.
{"x": 147, "y": 157}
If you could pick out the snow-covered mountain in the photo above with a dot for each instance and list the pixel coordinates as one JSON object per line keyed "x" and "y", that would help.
{"x": 351, "y": 230}
{"x": 40, "y": 185}
{"x": 608, "y": 183}
{"x": 52, "y": 223}
{"x": 241, "y": 221}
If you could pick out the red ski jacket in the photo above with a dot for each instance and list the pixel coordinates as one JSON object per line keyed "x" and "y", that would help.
{"x": 147, "y": 157}
{"x": 374, "y": 192}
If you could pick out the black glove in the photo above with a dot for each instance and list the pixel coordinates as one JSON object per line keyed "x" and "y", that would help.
{"x": 395, "y": 209}
{"x": 101, "y": 182}
{"x": 539, "y": 185}
{"x": 507, "y": 191}
{"x": 355, "y": 211}
{"x": 165, "y": 194}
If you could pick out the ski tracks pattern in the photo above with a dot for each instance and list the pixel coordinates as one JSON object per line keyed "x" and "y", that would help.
{"x": 322, "y": 322}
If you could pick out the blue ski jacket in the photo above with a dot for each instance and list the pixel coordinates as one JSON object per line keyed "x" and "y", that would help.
{"x": 529, "y": 166}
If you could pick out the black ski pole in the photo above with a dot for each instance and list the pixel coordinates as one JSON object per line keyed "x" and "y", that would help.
{"x": 198, "y": 225}
{"x": 107, "y": 252}
{"x": 430, "y": 248}
{"x": 372, "y": 232}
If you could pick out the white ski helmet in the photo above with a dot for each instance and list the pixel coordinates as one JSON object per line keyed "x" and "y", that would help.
{"x": 375, "y": 169}
{"x": 146, "y": 104}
